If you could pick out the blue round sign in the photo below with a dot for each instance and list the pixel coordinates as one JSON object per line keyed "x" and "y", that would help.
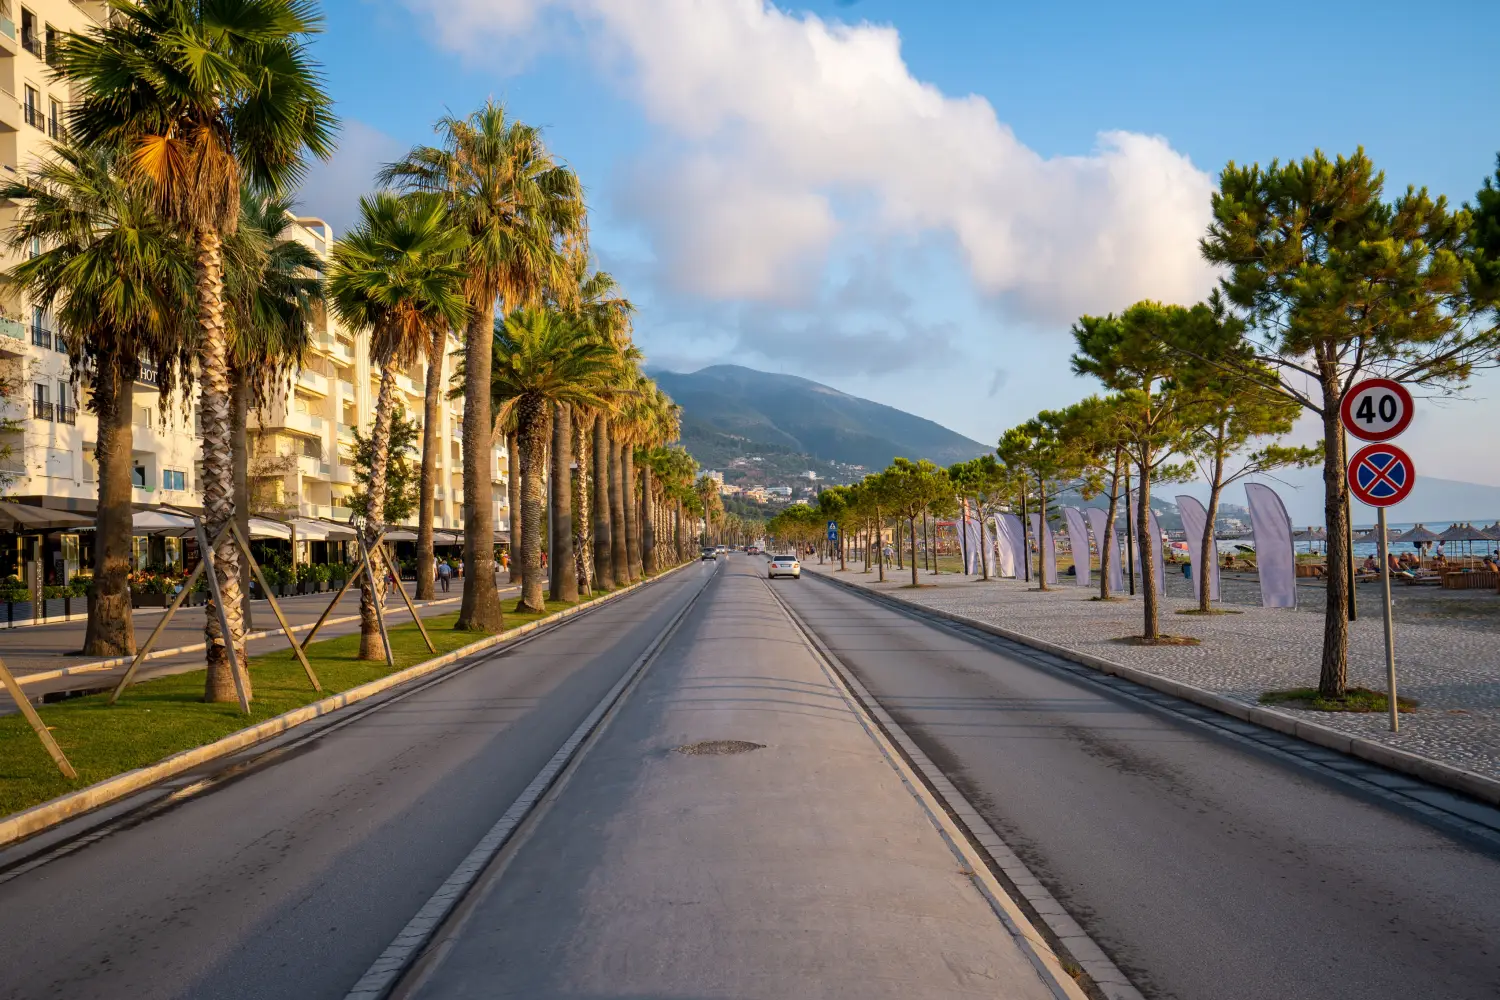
{"x": 1381, "y": 475}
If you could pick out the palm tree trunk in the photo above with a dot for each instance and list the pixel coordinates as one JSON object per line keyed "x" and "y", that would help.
{"x": 564, "y": 571}
{"x": 426, "y": 504}
{"x": 578, "y": 485}
{"x": 604, "y": 570}
{"x": 618, "y": 552}
{"x": 531, "y": 416}
{"x": 632, "y": 522}
{"x": 218, "y": 472}
{"x": 239, "y": 416}
{"x": 370, "y": 647}
{"x": 480, "y": 610}
{"x": 514, "y": 461}
{"x": 110, "y": 631}
{"x": 648, "y": 530}
{"x": 677, "y": 531}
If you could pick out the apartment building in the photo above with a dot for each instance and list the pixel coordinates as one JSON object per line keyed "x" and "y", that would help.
{"x": 301, "y": 444}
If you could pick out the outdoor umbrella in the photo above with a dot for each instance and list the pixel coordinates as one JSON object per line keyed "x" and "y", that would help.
{"x": 24, "y": 517}
{"x": 1417, "y": 537}
{"x": 160, "y": 522}
{"x": 1459, "y": 533}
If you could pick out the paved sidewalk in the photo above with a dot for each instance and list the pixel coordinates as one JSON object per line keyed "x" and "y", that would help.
{"x": 1453, "y": 671}
{"x": 801, "y": 869}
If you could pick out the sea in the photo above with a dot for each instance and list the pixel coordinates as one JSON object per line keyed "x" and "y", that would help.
{"x": 1362, "y": 549}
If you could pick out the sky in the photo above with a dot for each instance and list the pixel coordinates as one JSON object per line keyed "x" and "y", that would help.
{"x": 913, "y": 201}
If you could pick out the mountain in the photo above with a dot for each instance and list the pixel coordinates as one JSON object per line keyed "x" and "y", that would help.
{"x": 732, "y": 412}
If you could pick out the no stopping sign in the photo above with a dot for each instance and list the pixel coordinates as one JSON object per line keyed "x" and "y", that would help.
{"x": 1376, "y": 409}
{"x": 1381, "y": 475}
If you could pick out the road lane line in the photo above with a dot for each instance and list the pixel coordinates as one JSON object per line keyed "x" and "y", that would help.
{"x": 409, "y": 945}
{"x": 998, "y": 872}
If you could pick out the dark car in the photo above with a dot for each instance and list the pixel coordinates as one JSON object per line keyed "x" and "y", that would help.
{"x": 709, "y": 554}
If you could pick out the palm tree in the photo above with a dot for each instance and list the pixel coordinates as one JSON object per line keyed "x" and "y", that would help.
{"x": 274, "y": 289}
{"x": 432, "y": 398}
{"x": 542, "y": 359}
{"x": 202, "y": 97}
{"x": 660, "y": 422}
{"x": 399, "y": 272}
{"x": 120, "y": 282}
{"x": 517, "y": 206}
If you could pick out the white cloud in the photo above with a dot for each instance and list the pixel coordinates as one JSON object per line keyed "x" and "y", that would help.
{"x": 332, "y": 187}
{"x": 775, "y": 132}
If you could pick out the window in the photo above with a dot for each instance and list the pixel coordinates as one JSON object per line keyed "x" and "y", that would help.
{"x": 54, "y": 120}
{"x": 173, "y": 479}
{"x": 138, "y": 477}
{"x": 30, "y": 40}
{"x": 143, "y": 417}
{"x": 32, "y": 111}
{"x": 52, "y": 36}
{"x": 41, "y": 402}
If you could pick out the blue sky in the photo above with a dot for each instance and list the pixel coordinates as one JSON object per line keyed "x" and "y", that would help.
{"x": 910, "y": 201}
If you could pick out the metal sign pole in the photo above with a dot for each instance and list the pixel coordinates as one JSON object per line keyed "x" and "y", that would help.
{"x": 1390, "y": 634}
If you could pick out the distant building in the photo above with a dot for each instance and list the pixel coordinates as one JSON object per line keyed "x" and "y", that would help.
{"x": 715, "y": 475}
{"x": 755, "y": 493}
{"x": 810, "y": 474}
{"x": 728, "y": 491}
{"x": 785, "y": 492}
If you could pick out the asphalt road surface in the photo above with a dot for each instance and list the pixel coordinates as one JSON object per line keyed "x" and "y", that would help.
{"x": 291, "y": 880}
{"x": 1203, "y": 867}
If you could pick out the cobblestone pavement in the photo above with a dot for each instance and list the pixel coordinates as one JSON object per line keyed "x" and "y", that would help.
{"x": 1451, "y": 668}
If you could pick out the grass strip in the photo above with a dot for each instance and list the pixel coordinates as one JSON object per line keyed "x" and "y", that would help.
{"x": 166, "y": 715}
{"x": 1356, "y": 699}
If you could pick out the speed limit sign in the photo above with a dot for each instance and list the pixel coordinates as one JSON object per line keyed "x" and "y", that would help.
{"x": 1376, "y": 409}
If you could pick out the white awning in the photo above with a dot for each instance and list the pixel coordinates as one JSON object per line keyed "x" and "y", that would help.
{"x": 160, "y": 522}
{"x": 309, "y": 530}
{"x": 262, "y": 528}
{"x": 399, "y": 535}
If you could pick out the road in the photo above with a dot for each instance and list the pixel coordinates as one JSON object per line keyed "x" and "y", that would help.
{"x": 1204, "y": 867}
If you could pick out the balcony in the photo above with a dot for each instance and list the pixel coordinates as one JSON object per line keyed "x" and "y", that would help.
{"x": 10, "y": 111}
{"x": 67, "y": 414}
{"x": 43, "y": 410}
{"x": 346, "y": 433}
{"x": 343, "y": 474}
{"x": 307, "y": 423}
{"x": 12, "y": 337}
{"x": 346, "y": 389}
{"x": 56, "y": 130}
{"x": 8, "y": 30}
{"x": 313, "y": 381}
{"x": 31, "y": 42}
{"x": 342, "y": 349}
{"x": 34, "y": 117}
{"x": 41, "y": 337}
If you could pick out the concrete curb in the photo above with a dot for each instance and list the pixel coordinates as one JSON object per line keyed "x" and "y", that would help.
{"x": 100, "y": 666}
{"x": 1485, "y": 789}
{"x": 65, "y": 807}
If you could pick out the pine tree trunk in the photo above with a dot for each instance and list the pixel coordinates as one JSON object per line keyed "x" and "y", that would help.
{"x": 1334, "y": 674}
{"x": 218, "y": 472}
{"x": 372, "y": 591}
{"x": 1147, "y": 546}
{"x": 239, "y": 417}
{"x": 1041, "y": 535}
{"x": 913, "y": 520}
{"x": 1207, "y": 554}
{"x": 604, "y": 570}
{"x": 427, "y": 499}
{"x": 1107, "y": 553}
{"x": 480, "y": 609}
{"x": 618, "y": 550}
{"x": 515, "y": 461}
{"x": 564, "y": 570}
{"x": 110, "y": 630}
{"x": 531, "y": 418}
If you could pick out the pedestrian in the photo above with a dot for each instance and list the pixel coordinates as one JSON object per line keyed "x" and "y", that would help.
{"x": 444, "y": 574}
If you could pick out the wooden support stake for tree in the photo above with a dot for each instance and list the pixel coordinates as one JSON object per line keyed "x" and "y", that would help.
{"x": 353, "y": 579}
{"x": 286, "y": 626}
{"x": 182, "y": 594}
{"x": 378, "y": 601}
{"x": 27, "y": 709}
{"x": 228, "y": 637}
{"x": 390, "y": 564}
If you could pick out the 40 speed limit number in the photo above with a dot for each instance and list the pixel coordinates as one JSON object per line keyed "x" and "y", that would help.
{"x": 1376, "y": 409}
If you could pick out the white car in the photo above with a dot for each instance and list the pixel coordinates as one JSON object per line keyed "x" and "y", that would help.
{"x": 784, "y": 566}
